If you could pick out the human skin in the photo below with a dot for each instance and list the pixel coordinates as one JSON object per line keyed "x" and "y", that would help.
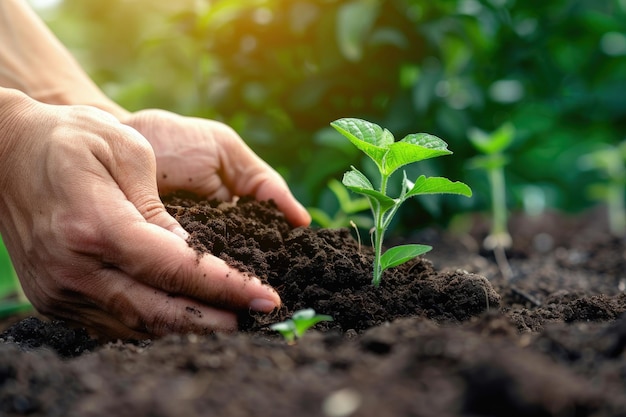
{"x": 80, "y": 212}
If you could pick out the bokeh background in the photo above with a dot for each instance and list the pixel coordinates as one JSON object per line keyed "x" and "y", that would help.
{"x": 279, "y": 71}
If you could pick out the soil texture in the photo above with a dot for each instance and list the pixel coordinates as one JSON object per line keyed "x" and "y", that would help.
{"x": 457, "y": 332}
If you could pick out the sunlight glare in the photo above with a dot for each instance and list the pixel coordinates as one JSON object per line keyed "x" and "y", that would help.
{"x": 44, "y": 4}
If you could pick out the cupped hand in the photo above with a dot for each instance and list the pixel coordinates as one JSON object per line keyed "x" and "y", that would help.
{"x": 90, "y": 239}
{"x": 210, "y": 159}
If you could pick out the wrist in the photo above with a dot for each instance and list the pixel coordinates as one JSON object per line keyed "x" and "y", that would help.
{"x": 90, "y": 95}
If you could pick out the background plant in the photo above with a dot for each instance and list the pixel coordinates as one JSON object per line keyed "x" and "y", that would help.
{"x": 390, "y": 155}
{"x": 492, "y": 161}
{"x": 347, "y": 211}
{"x": 299, "y": 323}
{"x": 610, "y": 162}
{"x": 12, "y": 299}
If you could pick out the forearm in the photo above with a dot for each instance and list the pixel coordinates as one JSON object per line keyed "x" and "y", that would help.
{"x": 34, "y": 61}
{"x": 12, "y": 104}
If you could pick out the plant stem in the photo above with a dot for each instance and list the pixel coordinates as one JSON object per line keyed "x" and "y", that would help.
{"x": 496, "y": 178}
{"x": 379, "y": 233}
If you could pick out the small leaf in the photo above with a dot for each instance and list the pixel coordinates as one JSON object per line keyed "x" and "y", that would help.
{"x": 493, "y": 143}
{"x": 401, "y": 254}
{"x": 356, "y": 179}
{"x": 438, "y": 185}
{"x": 357, "y": 182}
{"x": 283, "y": 326}
{"x": 363, "y": 131}
{"x": 287, "y": 329}
{"x": 426, "y": 140}
{"x": 305, "y": 319}
{"x": 303, "y": 314}
{"x": 404, "y": 153}
{"x": 377, "y": 198}
{"x": 366, "y": 136}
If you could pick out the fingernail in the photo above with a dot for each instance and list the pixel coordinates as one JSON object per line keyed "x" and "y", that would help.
{"x": 181, "y": 233}
{"x": 262, "y": 305}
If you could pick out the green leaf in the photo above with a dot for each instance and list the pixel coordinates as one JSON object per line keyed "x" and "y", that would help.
{"x": 401, "y": 254}
{"x": 493, "y": 143}
{"x": 359, "y": 130}
{"x": 307, "y": 318}
{"x": 413, "y": 148}
{"x": 346, "y": 203}
{"x": 438, "y": 185}
{"x": 426, "y": 140}
{"x": 358, "y": 183}
{"x": 287, "y": 329}
{"x": 356, "y": 179}
{"x": 368, "y": 137}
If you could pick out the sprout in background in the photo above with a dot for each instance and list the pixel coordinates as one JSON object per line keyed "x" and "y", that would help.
{"x": 301, "y": 321}
{"x": 610, "y": 162}
{"x": 493, "y": 160}
{"x": 347, "y": 213}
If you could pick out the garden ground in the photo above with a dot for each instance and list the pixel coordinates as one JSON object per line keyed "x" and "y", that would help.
{"x": 444, "y": 335}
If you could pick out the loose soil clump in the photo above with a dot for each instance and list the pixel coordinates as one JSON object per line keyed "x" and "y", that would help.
{"x": 444, "y": 335}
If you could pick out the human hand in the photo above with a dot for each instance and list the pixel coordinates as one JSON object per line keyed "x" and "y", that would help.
{"x": 89, "y": 238}
{"x": 210, "y": 159}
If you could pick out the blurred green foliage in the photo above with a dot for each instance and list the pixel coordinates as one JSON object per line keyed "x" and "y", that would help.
{"x": 279, "y": 71}
{"x": 11, "y": 299}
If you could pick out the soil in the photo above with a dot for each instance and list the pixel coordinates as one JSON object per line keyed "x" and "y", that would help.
{"x": 453, "y": 333}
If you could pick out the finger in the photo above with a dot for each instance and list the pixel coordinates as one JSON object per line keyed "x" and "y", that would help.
{"x": 134, "y": 171}
{"x": 277, "y": 190}
{"x": 141, "y": 312}
{"x": 253, "y": 176}
{"x": 161, "y": 260}
{"x": 141, "y": 309}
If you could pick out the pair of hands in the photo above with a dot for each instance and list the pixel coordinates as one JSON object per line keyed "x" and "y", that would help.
{"x": 87, "y": 232}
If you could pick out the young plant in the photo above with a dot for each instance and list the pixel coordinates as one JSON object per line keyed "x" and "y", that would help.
{"x": 389, "y": 155}
{"x": 492, "y": 161}
{"x": 609, "y": 161}
{"x": 301, "y": 321}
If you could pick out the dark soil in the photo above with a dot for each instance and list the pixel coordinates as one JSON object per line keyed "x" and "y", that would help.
{"x": 444, "y": 335}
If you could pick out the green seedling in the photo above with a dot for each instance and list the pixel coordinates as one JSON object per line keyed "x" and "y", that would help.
{"x": 389, "y": 155}
{"x": 609, "y": 161}
{"x": 301, "y": 321}
{"x": 348, "y": 210}
{"x": 492, "y": 161}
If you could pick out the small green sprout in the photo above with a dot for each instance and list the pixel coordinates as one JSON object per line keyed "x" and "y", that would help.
{"x": 301, "y": 321}
{"x": 493, "y": 161}
{"x": 389, "y": 155}
{"x": 610, "y": 162}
